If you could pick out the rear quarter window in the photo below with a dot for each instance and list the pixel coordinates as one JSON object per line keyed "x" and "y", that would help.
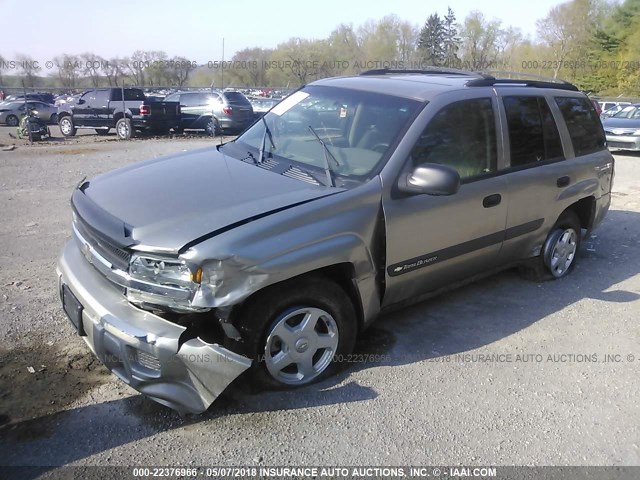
{"x": 190, "y": 100}
{"x": 583, "y": 124}
{"x": 236, "y": 97}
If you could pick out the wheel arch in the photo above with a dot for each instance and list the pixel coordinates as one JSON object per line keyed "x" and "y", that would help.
{"x": 120, "y": 114}
{"x": 585, "y": 210}
{"x": 343, "y": 274}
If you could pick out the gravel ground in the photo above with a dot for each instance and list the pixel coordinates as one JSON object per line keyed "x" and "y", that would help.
{"x": 550, "y": 399}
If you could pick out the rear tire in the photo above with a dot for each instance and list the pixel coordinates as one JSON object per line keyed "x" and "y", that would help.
{"x": 124, "y": 129}
{"x": 296, "y": 332}
{"x": 559, "y": 252}
{"x": 212, "y": 128}
{"x": 12, "y": 121}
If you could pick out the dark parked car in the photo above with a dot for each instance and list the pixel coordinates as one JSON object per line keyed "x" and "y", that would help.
{"x": 213, "y": 112}
{"x": 103, "y": 109}
{"x": 40, "y": 97}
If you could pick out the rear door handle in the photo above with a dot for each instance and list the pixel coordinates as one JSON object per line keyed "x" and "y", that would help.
{"x": 492, "y": 200}
{"x": 563, "y": 181}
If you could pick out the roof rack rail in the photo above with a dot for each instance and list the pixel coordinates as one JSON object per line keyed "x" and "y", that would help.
{"x": 519, "y": 75}
{"x": 428, "y": 71}
{"x": 538, "y": 81}
{"x": 521, "y": 83}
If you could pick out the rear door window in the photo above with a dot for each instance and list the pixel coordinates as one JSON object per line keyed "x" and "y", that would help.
{"x": 101, "y": 98}
{"x": 533, "y": 134}
{"x": 583, "y": 124}
{"x": 129, "y": 94}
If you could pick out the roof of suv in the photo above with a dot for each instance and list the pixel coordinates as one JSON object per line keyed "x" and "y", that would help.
{"x": 423, "y": 85}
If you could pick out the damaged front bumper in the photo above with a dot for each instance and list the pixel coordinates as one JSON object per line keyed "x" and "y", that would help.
{"x": 141, "y": 348}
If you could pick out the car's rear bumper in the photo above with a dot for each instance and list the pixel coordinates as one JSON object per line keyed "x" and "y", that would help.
{"x": 235, "y": 124}
{"x": 143, "y": 349}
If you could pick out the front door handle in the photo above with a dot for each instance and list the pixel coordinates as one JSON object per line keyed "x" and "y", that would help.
{"x": 563, "y": 181}
{"x": 492, "y": 200}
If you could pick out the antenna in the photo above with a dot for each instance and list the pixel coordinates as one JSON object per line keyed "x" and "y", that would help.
{"x": 222, "y": 74}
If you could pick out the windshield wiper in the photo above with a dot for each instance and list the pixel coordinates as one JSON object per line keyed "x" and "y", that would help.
{"x": 327, "y": 153}
{"x": 264, "y": 141}
{"x": 250, "y": 157}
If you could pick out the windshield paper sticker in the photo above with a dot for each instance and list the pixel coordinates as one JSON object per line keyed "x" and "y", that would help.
{"x": 289, "y": 102}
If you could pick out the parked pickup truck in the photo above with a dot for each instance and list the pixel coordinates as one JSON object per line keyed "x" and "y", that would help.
{"x": 103, "y": 109}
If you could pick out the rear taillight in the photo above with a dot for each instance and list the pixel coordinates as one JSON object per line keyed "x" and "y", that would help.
{"x": 227, "y": 110}
{"x": 145, "y": 110}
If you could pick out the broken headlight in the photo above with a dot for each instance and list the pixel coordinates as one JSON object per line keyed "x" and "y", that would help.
{"x": 172, "y": 273}
{"x": 161, "y": 282}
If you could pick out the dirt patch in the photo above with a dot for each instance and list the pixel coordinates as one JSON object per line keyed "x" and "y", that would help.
{"x": 43, "y": 379}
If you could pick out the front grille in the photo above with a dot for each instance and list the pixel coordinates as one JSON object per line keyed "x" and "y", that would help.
{"x": 118, "y": 257}
{"x": 620, "y": 144}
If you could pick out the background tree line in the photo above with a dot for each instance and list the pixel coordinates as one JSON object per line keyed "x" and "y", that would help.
{"x": 592, "y": 43}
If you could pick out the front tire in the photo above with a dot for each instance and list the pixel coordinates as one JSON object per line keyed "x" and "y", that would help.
{"x": 296, "y": 332}
{"x": 12, "y": 121}
{"x": 67, "y": 127}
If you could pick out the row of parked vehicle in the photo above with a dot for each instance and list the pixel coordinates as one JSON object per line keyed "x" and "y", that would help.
{"x": 103, "y": 109}
{"x": 214, "y": 112}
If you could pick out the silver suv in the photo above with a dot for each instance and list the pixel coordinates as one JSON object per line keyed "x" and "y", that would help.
{"x": 268, "y": 255}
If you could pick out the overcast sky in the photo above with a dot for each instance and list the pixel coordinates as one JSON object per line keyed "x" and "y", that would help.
{"x": 195, "y": 28}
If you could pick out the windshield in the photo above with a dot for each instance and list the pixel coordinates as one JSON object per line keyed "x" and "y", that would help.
{"x": 628, "y": 112}
{"x": 357, "y": 128}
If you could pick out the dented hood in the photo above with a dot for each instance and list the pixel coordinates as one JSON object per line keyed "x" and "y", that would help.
{"x": 173, "y": 201}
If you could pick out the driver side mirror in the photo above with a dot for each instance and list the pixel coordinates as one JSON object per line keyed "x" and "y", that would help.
{"x": 430, "y": 179}
{"x": 81, "y": 101}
